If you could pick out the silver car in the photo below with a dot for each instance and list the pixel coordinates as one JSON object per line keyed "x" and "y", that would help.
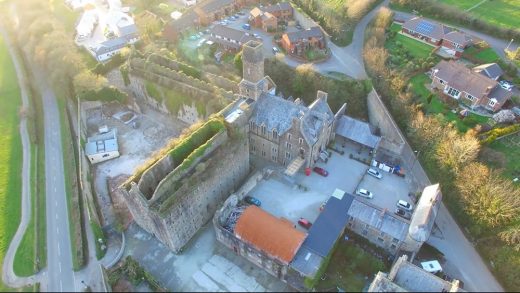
{"x": 364, "y": 193}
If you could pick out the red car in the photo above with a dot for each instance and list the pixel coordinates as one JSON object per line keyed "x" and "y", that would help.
{"x": 321, "y": 171}
{"x": 304, "y": 223}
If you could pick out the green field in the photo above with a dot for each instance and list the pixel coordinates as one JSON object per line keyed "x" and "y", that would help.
{"x": 487, "y": 55}
{"x": 505, "y": 13}
{"x": 10, "y": 153}
{"x": 436, "y": 106}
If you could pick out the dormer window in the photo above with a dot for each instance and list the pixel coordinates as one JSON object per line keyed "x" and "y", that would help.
{"x": 492, "y": 102}
{"x": 289, "y": 136}
{"x": 301, "y": 141}
{"x": 263, "y": 130}
{"x": 275, "y": 133}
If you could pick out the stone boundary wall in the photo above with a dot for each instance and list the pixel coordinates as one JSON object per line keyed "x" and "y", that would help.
{"x": 395, "y": 142}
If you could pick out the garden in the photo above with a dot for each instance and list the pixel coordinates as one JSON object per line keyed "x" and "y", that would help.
{"x": 505, "y": 13}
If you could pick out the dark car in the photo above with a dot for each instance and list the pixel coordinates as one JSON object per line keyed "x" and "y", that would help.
{"x": 253, "y": 200}
{"x": 321, "y": 171}
{"x": 402, "y": 213}
{"x": 304, "y": 223}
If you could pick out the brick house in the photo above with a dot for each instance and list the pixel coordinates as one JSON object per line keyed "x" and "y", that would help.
{"x": 425, "y": 30}
{"x": 452, "y": 42}
{"x": 264, "y": 20}
{"x": 282, "y": 11}
{"x": 474, "y": 89}
{"x": 296, "y": 43}
{"x": 228, "y": 38}
{"x": 455, "y": 43}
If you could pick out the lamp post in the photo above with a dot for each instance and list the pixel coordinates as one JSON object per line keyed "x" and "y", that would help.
{"x": 416, "y": 155}
{"x": 509, "y": 44}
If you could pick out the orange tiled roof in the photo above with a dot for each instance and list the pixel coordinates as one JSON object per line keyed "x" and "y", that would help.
{"x": 276, "y": 237}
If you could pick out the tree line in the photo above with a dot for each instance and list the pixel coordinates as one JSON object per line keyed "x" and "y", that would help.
{"x": 478, "y": 195}
{"x": 46, "y": 42}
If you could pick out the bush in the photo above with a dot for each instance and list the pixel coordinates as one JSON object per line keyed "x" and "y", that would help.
{"x": 495, "y": 133}
{"x": 106, "y": 94}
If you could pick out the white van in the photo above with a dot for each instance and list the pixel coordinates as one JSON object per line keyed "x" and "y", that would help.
{"x": 375, "y": 173}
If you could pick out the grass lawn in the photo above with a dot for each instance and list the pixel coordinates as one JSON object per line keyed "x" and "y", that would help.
{"x": 510, "y": 147}
{"x": 487, "y": 55}
{"x": 417, "y": 49}
{"x": 505, "y": 13}
{"x": 436, "y": 106}
{"x": 348, "y": 268}
{"x": 10, "y": 155}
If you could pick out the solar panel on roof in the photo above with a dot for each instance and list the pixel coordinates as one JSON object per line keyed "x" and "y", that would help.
{"x": 425, "y": 28}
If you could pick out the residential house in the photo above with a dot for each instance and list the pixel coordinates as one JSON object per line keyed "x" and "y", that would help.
{"x": 425, "y": 30}
{"x": 229, "y": 38}
{"x": 407, "y": 277}
{"x": 297, "y": 43}
{"x": 491, "y": 70}
{"x": 454, "y": 43}
{"x": 282, "y": 11}
{"x": 264, "y": 20}
{"x": 107, "y": 49}
{"x": 450, "y": 41}
{"x": 466, "y": 85}
{"x": 212, "y": 10}
{"x": 177, "y": 27}
{"x": 102, "y": 147}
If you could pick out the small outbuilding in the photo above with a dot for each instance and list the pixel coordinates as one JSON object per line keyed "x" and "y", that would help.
{"x": 102, "y": 147}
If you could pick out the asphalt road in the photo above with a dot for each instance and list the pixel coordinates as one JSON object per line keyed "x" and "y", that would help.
{"x": 60, "y": 276}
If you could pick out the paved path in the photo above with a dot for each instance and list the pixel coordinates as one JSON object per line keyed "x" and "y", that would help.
{"x": 8, "y": 275}
{"x": 60, "y": 276}
{"x": 461, "y": 253}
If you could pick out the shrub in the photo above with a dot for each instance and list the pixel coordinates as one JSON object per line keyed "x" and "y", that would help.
{"x": 106, "y": 94}
{"x": 495, "y": 133}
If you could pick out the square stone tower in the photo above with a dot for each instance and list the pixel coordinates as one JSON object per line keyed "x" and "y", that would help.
{"x": 253, "y": 83}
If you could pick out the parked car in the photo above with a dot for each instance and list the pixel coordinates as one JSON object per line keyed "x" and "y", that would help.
{"x": 432, "y": 266}
{"x": 252, "y": 200}
{"x": 304, "y": 223}
{"x": 275, "y": 50}
{"x": 375, "y": 173}
{"x": 321, "y": 171}
{"x": 246, "y": 26}
{"x": 322, "y": 206}
{"x": 405, "y": 205}
{"x": 507, "y": 85}
{"x": 402, "y": 213}
{"x": 256, "y": 35}
{"x": 201, "y": 42}
{"x": 364, "y": 193}
{"x": 298, "y": 26}
{"x": 241, "y": 13}
{"x": 224, "y": 22}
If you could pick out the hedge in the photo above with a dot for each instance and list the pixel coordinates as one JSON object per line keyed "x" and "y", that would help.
{"x": 106, "y": 94}
{"x": 496, "y": 133}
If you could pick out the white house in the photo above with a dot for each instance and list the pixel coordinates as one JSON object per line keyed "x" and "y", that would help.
{"x": 102, "y": 147}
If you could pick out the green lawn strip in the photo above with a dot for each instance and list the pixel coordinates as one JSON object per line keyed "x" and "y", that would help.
{"x": 98, "y": 234}
{"x": 509, "y": 146}
{"x": 505, "y": 13}
{"x": 10, "y": 154}
{"x": 487, "y": 55}
{"x": 436, "y": 106}
{"x": 73, "y": 204}
{"x": 417, "y": 49}
{"x": 25, "y": 258}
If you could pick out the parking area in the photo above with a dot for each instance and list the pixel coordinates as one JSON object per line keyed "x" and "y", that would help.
{"x": 387, "y": 190}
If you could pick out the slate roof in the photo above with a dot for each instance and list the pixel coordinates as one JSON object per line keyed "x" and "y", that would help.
{"x": 212, "y": 5}
{"x": 109, "y": 46}
{"x": 462, "y": 78}
{"x": 457, "y": 37}
{"x": 358, "y": 131}
{"x": 305, "y": 34}
{"x": 274, "y": 236}
{"x": 500, "y": 94}
{"x": 329, "y": 225}
{"x": 277, "y": 114}
{"x": 426, "y": 27}
{"x": 187, "y": 20}
{"x": 239, "y": 36}
{"x": 278, "y": 7}
{"x": 128, "y": 30}
{"x": 491, "y": 70}
{"x": 425, "y": 213}
{"x": 385, "y": 222}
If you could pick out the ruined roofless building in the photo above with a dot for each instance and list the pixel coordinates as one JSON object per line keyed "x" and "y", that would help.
{"x": 177, "y": 194}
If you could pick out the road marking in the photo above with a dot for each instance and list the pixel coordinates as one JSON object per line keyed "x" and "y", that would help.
{"x": 59, "y": 264}
{"x": 59, "y": 251}
{"x": 56, "y": 202}
{"x": 54, "y": 188}
{"x": 61, "y": 286}
{"x": 56, "y": 216}
{"x": 57, "y": 230}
